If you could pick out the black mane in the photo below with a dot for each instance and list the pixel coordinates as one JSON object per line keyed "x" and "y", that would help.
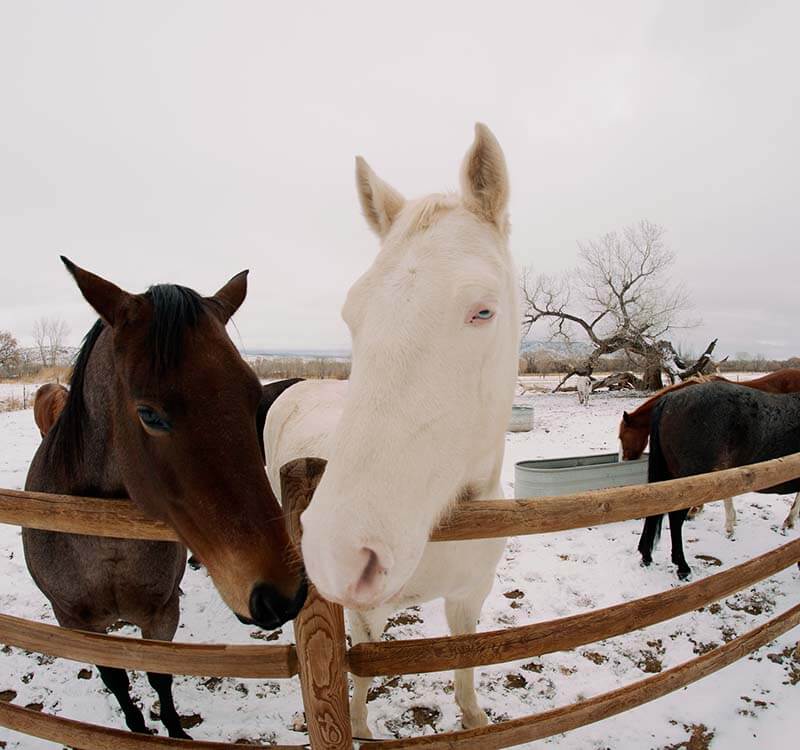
{"x": 175, "y": 310}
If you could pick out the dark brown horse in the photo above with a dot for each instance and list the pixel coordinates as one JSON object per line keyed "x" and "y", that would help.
{"x": 711, "y": 427}
{"x": 634, "y": 428}
{"x": 163, "y": 410}
{"x": 48, "y": 403}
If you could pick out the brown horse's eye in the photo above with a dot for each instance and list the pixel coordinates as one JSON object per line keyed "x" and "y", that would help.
{"x": 152, "y": 420}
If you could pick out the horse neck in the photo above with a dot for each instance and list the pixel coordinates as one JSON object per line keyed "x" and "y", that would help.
{"x": 98, "y": 436}
{"x": 97, "y": 472}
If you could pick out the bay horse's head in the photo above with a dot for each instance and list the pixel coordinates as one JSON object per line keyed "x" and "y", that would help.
{"x": 634, "y": 432}
{"x": 435, "y": 332}
{"x": 183, "y": 407}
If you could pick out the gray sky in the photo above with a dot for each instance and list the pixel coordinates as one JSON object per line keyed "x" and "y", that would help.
{"x": 165, "y": 141}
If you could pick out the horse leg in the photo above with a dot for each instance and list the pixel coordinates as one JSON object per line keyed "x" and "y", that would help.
{"x": 116, "y": 680}
{"x": 162, "y": 627}
{"x": 648, "y": 539}
{"x": 162, "y": 684}
{"x": 791, "y": 519}
{"x": 364, "y": 626}
{"x": 462, "y": 618}
{"x": 730, "y": 517}
{"x": 676, "y": 519}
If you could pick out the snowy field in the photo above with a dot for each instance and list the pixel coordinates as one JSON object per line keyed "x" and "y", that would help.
{"x": 752, "y": 704}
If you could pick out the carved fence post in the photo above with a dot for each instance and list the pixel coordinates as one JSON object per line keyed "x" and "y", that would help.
{"x": 319, "y": 629}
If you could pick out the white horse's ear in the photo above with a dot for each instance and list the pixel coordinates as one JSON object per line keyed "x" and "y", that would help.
{"x": 484, "y": 178}
{"x": 380, "y": 202}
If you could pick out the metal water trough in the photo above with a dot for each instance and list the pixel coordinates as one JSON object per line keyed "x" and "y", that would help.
{"x": 562, "y": 476}
{"x": 521, "y": 419}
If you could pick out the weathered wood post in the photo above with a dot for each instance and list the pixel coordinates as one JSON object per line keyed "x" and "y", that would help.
{"x": 319, "y": 629}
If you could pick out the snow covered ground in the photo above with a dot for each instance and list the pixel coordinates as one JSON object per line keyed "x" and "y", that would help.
{"x": 752, "y": 704}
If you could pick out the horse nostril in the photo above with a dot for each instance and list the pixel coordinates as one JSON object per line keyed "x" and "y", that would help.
{"x": 270, "y": 609}
{"x": 375, "y": 569}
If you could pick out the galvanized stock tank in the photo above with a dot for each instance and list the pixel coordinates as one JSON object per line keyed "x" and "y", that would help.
{"x": 563, "y": 476}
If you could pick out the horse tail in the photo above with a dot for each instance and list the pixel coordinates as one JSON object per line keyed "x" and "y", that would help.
{"x": 656, "y": 472}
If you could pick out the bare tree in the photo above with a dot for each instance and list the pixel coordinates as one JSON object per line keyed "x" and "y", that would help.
{"x": 620, "y": 298}
{"x": 50, "y": 335}
{"x": 40, "y": 337}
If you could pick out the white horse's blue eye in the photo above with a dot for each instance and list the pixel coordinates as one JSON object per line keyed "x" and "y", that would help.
{"x": 484, "y": 314}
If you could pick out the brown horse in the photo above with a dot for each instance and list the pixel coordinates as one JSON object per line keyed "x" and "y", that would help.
{"x": 634, "y": 428}
{"x": 739, "y": 426}
{"x": 163, "y": 410}
{"x": 48, "y": 403}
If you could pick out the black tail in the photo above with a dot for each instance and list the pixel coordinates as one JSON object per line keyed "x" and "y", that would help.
{"x": 271, "y": 391}
{"x": 656, "y": 472}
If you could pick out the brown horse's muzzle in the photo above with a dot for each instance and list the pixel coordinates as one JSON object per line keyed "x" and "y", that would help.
{"x": 269, "y": 609}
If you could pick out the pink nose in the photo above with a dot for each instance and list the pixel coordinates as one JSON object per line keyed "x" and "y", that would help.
{"x": 375, "y": 563}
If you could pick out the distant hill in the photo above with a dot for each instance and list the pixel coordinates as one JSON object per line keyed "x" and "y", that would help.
{"x": 298, "y": 353}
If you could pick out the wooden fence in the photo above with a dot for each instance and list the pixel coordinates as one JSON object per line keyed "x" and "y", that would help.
{"x": 321, "y": 658}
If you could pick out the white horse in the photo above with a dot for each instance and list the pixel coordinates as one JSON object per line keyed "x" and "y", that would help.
{"x": 584, "y": 386}
{"x": 405, "y": 439}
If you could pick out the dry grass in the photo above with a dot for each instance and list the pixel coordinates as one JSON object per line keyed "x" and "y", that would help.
{"x": 57, "y": 374}
{"x": 316, "y": 368}
{"x": 15, "y": 403}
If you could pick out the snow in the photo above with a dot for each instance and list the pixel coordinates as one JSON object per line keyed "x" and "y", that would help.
{"x": 751, "y": 704}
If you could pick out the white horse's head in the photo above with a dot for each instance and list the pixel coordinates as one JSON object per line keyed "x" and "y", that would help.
{"x": 435, "y": 327}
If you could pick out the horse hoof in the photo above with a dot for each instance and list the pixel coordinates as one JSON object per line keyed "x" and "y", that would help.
{"x": 360, "y": 730}
{"x": 179, "y": 734}
{"x": 646, "y": 561}
{"x": 684, "y": 574}
{"x": 475, "y": 719}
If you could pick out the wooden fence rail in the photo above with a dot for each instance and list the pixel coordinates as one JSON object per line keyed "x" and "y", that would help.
{"x": 201, "y": 659}
{"x": 566, "y": 718}
{"x": 526, "y": 641}
{"x": 84, "y": 736}
{"x": 476, "y": 520}
{"x": 321, "y": 658}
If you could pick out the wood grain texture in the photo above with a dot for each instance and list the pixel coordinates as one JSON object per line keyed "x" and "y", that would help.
{"x": 567, "y": 718}
{"x": 493, "y": 647}
{"x": 201, "y": 659}
{"x": 480, "y": 519}
{"x": 476, "y": 520}
{"x": 319, "y": 630}
{"x": 82, "y": 736}
{"x": 81, "y": 515}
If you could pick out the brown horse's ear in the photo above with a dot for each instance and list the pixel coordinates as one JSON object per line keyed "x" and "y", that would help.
{"x": 106, "y": 298}
{"x": 229, "y": 299}
{"x": 626, "y": 418}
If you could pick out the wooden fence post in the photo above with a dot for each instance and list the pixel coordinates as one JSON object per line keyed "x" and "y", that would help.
{"x": 319, "y": 629}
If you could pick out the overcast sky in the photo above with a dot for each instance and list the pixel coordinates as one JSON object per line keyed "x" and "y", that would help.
{"x": 182, "y": 142}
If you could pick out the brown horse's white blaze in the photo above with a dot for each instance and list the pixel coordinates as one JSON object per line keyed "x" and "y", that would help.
{"x": 421, "y": 424}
